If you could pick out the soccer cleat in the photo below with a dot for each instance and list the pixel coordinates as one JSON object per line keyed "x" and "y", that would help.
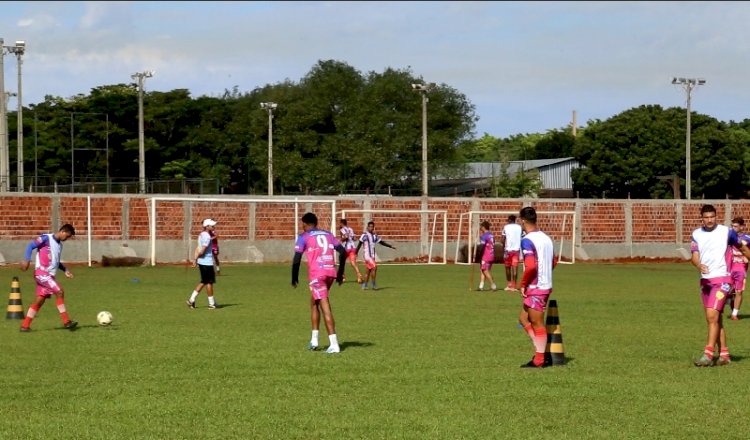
{"x": 704, "y": 361}
{"x": 214, "y": 306}
{"x": 508, "y": 289}
{"x": 494, "y": 288}
{"x": 531, "y": 364}
{"x": 190, "y": 304}
{"x": 364, "y": 286}
{"x": 311, "y": 347}
{"x": 70, "y": 325}
{"x": 734, "y": 318}
{"x": 332, "y": 350}
{"x": 24, "y": 329}
{"x": 359, "y": 279}
{"x": 723, "y": 360}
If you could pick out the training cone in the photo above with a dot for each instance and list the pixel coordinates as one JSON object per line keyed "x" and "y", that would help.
{"x": 15, "y": 306}
{"x": 554, "y": 353}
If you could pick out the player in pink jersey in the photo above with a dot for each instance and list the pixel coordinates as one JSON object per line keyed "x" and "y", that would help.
{"x": 536, "y": 284}
{"x": 320, "y": 248}
{"x": 346, "y": 235}
{"x": 486, "y": 255}
{"x": 712, "y": 255}
{"x": 49, "y": 249}
{"x": 739, "y": 269}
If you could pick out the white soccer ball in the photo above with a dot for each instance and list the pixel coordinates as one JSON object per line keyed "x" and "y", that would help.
{"x": 104, "y": 318}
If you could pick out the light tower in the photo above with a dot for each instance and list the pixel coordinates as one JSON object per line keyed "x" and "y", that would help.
{"x": 688, "y": 84}
{"x": 424, "y": 89}
{"x": 140, "y": 76}
{"x": 270, "y": 107}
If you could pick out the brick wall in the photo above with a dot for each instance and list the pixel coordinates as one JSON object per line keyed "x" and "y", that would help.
{"x": 126, "y": 217}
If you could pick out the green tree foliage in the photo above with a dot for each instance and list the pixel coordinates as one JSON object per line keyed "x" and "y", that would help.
{"x": 623, "y": 156}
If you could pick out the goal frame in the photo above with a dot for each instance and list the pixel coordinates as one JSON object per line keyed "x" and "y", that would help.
{"x": 472, "y": 219}
{"x": 431, "y": 238}
{"x": 152, "y": 210}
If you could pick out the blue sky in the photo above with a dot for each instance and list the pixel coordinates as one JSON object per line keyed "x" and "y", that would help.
{"x": 526, "y": 66}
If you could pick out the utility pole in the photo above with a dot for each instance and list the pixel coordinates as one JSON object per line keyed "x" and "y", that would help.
{"x": 139, "y": 76}
{"x": 688, "y": 84}
{"x": 423, "y": 89}
{"x": 270, "y": 106}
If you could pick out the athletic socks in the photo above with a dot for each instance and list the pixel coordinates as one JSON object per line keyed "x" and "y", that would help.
{"x": 193, "y": 296}
{"x": 211, "y": 301}
{"x": 314, "y": 338}
{"x": 63, "y": 311}
{"x": 30, "y": 316}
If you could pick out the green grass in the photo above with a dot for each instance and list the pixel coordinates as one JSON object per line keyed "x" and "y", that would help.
{"x": 423, "y": 358}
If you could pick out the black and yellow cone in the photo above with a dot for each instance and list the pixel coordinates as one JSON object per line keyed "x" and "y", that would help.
{"x": 554, "y": 353}
{"x": 15, "y": 306}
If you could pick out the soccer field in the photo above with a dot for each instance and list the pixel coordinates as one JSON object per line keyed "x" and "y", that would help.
{"x": 422, "y": 358}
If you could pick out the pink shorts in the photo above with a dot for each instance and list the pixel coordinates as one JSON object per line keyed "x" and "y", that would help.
{"x": 486, "y": 265}
{"x": 511, "y": 258}
{"x": 738, "y": 280}
{"x": 715, "y": 292}
{"x": 351, "y": 255}
{"x": 319, "y": 287}
{"x": 371, "y": 264}
{"x": 46, "y": 285}
{"x": 537, "y": 299}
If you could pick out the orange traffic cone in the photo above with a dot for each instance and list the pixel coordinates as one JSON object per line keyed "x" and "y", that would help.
{"x": 554, "y": 353}
{"x": 15, "y": 306}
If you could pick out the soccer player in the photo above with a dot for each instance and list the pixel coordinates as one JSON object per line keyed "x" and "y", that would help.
{"x": 204, "y": 260}
{"x": 346, "y": 235}
{"x": 536, "y": 284}
{"x": 711, "y": 255}
{"x": 320, "y": 248}
{"x": 369, "y": 239}
{"x": 739, "y": 269}
{"x": 487, "y": 257}
{"x": 511, "y": 241}
{"x": 48, "y": 251}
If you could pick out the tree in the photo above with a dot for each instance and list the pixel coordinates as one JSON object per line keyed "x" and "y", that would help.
{"x": 623, "y": 156}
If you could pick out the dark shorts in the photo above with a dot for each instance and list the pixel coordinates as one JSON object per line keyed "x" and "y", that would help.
{"x": 208, "y": 276}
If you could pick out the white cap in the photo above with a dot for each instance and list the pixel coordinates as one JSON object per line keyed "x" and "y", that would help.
{"x": 208, "y": 222}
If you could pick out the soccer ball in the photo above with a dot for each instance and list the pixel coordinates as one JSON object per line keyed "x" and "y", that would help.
{"x": 104, "y": 318}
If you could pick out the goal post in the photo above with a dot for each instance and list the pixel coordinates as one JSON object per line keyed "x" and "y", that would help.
{"x": 559, "y": 225}
{"x": 423, "y": 232}
{"x": 174, "y": 222}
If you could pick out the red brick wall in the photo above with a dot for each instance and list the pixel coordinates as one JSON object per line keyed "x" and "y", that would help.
{"x": 600, "y": 221}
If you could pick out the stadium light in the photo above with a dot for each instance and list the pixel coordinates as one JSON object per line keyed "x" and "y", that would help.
{"x": 270, "y": 107}
{"x": 19, "y": 49}
{"x": 688, "y": 84}
{"x": 139, "y": 76}
{"x": 424, "y": 89}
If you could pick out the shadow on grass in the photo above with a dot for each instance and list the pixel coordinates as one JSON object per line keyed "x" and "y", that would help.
{"x": 354, "y": 344}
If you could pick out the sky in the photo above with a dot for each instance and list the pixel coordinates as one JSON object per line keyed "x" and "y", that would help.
{"x": 527, "y": 67}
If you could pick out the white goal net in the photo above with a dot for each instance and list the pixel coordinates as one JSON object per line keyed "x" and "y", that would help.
{"x": 248, "y": 228}
{"x": 420, "y": 235}
{"x": 559, "y": 225}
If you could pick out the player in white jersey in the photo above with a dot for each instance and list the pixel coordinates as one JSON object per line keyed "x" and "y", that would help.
{"x": 511, "y": 241}
{"x": 48, "y": 253}
{"x": 536, "y": 284}
{"x": 347, "y": 236}
{"x": 711, "y": 249}
{"x": 369, "y": 239}
{"x": 204, "y": 261}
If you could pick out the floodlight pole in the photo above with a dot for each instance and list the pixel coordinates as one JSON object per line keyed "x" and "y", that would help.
{"x": 3, "y": 125}
{"x": 688, "y": 84}
{"x": 139, "y": 76}
{"x": 270, "y": 107}
{"x": 424, "y": 89}
{"x": 19, "y": 50}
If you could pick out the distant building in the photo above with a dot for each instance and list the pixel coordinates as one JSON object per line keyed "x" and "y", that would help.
{"x": 476, "y": 177}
